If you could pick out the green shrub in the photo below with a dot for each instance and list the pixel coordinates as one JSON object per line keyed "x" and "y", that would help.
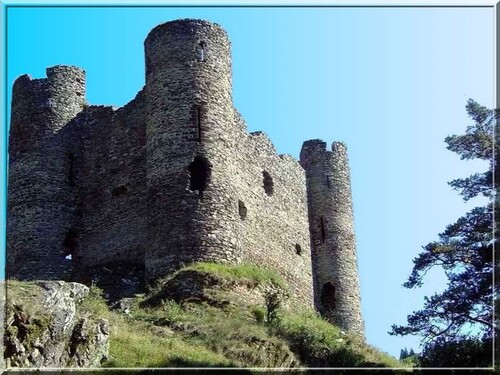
{"x": 259, "y": 313}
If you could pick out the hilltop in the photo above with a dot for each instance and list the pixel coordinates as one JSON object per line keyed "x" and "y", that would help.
{"x": 204, "y": 315}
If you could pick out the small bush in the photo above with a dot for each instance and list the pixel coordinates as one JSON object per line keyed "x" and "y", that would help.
{"x": 258, "y": 313}
{"x": 273, "y": 300}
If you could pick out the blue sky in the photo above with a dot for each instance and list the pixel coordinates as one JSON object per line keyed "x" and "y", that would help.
{"x": 391, "y": 83}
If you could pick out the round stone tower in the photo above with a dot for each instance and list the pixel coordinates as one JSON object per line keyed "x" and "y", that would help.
{"x": 191, "y": 137}
{"x": 334, "y": 261}
{"x": 41, "y": 199}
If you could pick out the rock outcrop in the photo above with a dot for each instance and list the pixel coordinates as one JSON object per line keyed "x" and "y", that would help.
{"x": 47, "y": 326}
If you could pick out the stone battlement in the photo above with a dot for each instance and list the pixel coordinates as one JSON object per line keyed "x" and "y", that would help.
{"x": 174, "y": 177}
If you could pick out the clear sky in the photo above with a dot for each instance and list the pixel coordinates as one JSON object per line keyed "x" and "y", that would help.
{"x": 391, "y": 83}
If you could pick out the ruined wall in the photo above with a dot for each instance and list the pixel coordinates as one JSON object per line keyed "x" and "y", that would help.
{"x": 191, "y": 198}
{"x": 273, "y": 226}
{"x": 173, "y": 178}
{"x": 333, "y": 240}
{"x": 41, "y": 193}
{"x": 112, "y": 182}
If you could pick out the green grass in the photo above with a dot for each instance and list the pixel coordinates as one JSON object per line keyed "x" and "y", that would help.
{"x": 322, "y": 344}
{"x": 235, "y": 334}
{"x": 140, "y": 341}
{"x": 239, "y": 272}
{"x": 94, "y": 305}
{"x": 138, "y": 344}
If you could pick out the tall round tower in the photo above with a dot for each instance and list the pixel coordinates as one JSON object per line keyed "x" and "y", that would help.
{"x": 191, "y": 137}
{"x": 41, "y": 201}
{"x": 334, "y": 261}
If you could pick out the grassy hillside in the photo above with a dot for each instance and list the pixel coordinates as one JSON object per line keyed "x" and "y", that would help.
{"x": 212, "y": 315}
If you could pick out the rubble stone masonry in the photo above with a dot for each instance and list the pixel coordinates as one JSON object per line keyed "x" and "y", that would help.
{"x": 173, "y": 178}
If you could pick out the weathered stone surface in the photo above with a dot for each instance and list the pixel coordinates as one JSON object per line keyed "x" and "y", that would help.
{"x": 332, "y": 234}
{"x": 41, "y": 196}
{"x": 44, "y": 327}
{"x": 171, "y": 178}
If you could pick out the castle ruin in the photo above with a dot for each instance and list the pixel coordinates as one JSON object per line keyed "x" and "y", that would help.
{"x": 172, "y": 178}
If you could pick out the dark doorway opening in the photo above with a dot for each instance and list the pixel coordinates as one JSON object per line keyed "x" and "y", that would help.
{"x": 328, "y": 297}
{"x": 70, "y": 243}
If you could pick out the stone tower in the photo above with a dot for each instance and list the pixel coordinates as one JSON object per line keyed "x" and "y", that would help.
{"x": 190, "y": 140}
{"x": 41, "y": 193}
{"x": 120, "y": 196}
{"x": 333, "y": 244}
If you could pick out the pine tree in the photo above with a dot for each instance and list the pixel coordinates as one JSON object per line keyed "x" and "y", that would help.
{"x": 464, "y": 250}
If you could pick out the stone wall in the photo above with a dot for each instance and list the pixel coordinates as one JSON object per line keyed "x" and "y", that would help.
{"x": 274, "y": 231}
{"x": 112, "y": 175}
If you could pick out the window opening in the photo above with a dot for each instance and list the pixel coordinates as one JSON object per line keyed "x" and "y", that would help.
{"x": 198, "y": 123}
{"x": 200, "y": 171}
{"x": 328, "y": 296}
{"x": 242, "y": 210}
{"x": 298, "y": 249}
{"x": 268, "y": 183}
{"x": 201, "y": 51}
{"x": 70, "y": 242}
{"x": 119, "y": 190}
{"x": 322, "y": 227}
{"x": 328, "y": 181}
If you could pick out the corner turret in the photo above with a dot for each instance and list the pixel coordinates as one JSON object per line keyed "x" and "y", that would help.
{"x": 41, "y": 202}
{"x": 191, "y": 137}
{"x": 334, "y": 260}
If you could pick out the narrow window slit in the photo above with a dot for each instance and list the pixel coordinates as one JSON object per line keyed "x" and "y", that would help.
{"x": 328, "y": 183}
{"x": 322, "y": 227}
{"x": 198, "y": 123}
{"x": 242, "y": 210}
{"x": 201, "y": 51}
